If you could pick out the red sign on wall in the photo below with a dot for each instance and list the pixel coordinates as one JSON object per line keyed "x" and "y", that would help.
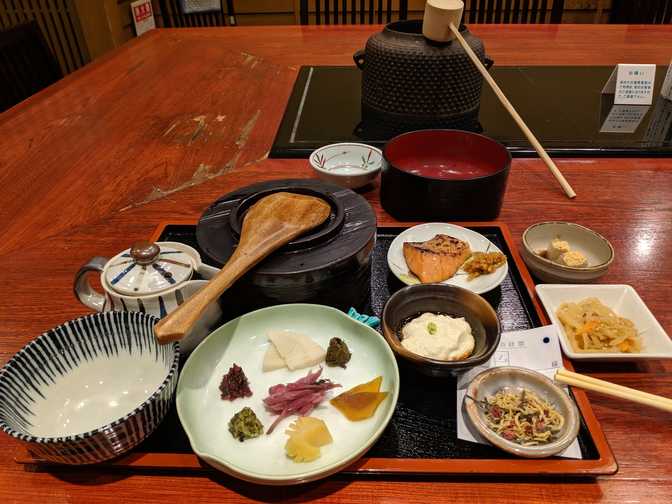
{"x": 142, "y": 11}
{"x": 143, "y": 17}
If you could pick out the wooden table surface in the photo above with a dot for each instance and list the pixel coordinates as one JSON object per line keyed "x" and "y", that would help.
{"x": 159, "y": 128}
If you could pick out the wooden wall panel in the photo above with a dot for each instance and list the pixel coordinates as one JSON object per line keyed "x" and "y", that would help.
{"x": 121, "y": 23}
{"x": 575, "y": 11}
{"x": 263, "y": 6}
{"x": 80, "y": 30}
{"x": 60, "y": 24}
{"x": 272, "y": 18}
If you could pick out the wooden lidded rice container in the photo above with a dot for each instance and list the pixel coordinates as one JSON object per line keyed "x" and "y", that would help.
{"x": 330, "y": 265}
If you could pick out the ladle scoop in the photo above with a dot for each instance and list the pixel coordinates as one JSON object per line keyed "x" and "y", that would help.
{"x": 271, "y": 222}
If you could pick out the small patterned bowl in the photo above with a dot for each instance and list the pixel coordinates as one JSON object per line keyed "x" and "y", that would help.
{"x": 350, "y": 165}
{"x": 90, "y": 389}
{"x": 515, "y": 379}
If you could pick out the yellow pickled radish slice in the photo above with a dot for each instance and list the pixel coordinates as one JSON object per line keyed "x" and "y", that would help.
{"x": 300, "y": 450}
{"x": 306, "y": 435}
{"x": 313, "y": 430}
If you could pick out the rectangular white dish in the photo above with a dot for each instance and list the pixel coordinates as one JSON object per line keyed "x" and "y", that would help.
{"x": 625, "y": 301}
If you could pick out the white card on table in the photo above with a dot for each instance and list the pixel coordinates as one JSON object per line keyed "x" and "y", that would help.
{"x": 631, "y": 84}
{"x": 537, "y": 349}
{"x": 143, "y": 16}
{"x": 660, "y": 125}
{"x": 624, "y": 118}
{"x": 666, "y": 88}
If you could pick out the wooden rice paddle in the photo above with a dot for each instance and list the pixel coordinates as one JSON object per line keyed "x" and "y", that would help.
{"x": 439, "y": 24}
{"x": 271, "y": 222}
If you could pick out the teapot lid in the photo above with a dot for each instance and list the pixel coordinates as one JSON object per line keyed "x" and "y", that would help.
{"x": 148, "y": 268}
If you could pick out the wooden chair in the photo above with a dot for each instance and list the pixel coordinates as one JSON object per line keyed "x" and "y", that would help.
{"x": 26, "y": 64}
{"x": 514, "y": 11}
{"x": 641, "y": 11}
{"x": 351, "y": 11}
{"x": 170, "y": 16}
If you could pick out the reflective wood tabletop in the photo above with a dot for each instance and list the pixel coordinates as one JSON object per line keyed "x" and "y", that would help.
{"x": 161, "y": 127}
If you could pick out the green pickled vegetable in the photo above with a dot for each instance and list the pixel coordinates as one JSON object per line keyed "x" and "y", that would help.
{"x": 338, "y": 353}
{"x": 245, "y": 425}
{"x": 431, "y": 328}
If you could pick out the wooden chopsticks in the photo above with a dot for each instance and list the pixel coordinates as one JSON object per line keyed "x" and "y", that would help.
{"x": 611, "y": 389}
{"x": 516, "y": 117}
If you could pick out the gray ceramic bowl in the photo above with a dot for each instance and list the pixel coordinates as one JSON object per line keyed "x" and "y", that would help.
{"x": 594, "y": 246}
{"x": 493, "y": 380}
{"x": 414, "y": 300}
{"x": 90, "y": 389}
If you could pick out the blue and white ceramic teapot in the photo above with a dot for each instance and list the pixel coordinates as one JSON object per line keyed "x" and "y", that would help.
{"x": 150, "y": 278}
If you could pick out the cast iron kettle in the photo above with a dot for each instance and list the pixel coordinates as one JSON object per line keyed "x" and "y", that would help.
{"x": 414, "y": 83}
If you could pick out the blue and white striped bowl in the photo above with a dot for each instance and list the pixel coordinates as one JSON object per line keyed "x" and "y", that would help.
{"x": 90, "y": 389}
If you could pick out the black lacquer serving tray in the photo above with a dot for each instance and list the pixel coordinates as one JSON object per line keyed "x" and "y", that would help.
{"x": 421, "y": 437}
{"x": 563, "y": 105}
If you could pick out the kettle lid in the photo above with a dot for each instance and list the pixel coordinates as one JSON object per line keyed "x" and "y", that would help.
{"x": 148, "y": 268}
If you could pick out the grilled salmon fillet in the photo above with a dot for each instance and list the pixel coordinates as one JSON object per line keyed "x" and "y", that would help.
{"x": 437, "y": 259}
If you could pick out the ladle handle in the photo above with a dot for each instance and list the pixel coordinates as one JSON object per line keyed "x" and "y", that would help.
{"x": 516, "y": 117}
{"x": 179, "y": 322}
{"x": 272, "y": 222}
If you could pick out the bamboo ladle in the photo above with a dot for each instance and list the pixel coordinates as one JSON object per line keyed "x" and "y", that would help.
{"x": 271, "y": 222}
{"x": 442, "y": 17}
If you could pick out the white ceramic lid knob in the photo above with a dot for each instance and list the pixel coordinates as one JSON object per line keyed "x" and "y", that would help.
{"x": 439, "y": 14}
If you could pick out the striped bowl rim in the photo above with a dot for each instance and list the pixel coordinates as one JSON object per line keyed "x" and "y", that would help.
{"x": 75, "y": 437}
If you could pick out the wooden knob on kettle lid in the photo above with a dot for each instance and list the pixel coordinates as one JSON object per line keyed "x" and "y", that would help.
{"x": 439, "y": 14}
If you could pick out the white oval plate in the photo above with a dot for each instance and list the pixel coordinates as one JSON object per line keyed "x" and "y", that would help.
{"x": 205, "y": 416}
{"x": 424, "y": 232}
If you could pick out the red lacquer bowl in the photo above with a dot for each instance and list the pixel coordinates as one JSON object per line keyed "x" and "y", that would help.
{"x": 444, "y": 175}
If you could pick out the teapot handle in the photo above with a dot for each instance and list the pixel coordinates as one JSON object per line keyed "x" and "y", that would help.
{"x": 206, "y": 271}
{"x": 359, "y": 58}
{"x": 86, "y": 294}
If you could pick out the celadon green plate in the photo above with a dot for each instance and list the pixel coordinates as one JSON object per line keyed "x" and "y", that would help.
{"x": 205, "y": 416}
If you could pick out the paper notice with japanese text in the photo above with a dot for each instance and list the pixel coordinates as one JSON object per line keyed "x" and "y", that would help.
{"x": 631, "y": 84}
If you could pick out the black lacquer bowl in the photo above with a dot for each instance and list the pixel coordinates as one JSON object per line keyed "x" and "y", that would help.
{"x": 444, "y": 175}
{"x": 415, "y": 300}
